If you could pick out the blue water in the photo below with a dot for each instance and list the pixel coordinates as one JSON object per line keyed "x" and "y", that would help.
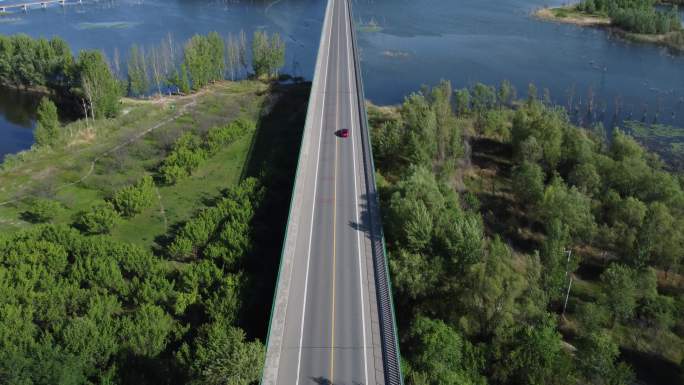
{"x": 420, "y": 42}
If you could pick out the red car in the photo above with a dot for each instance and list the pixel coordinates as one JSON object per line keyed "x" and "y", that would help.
{"x": 343, "y": 133}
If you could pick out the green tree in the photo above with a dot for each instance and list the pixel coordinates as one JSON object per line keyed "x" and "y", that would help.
{"x": 462, "y": 101}
{"x": 598, "y": 355}
{"x": 147, "y": 331}
{"x": 570, "y": 207}
{"x": 97, "y": 86}
{"x": 506, "y": 93}
{"x": 492, "y": 288}
{"x": 268, "y": 54}
{"x": 420, "y": 125}
{"x": 184, "y": 85}
{"x": 555, "y": 260}
{"x": 483, "y": 97}
{"x": 593, "y": 317}
{"x": 204, "y": 59}
{"x": 442, "y": 355}
{"x": 533, "y": 355}
{"x": 414, "y": 274}
{"x": 661, "y": 239}
{"x": 138, "y": 78}
{"x": 222, "y": 356}
{"x": 619, "y": 292}
{"x": 528, "y": 183}
{"x": 586, "y": 178}
{"x": 47, "y": 123}
{"x": 546, "y": 125}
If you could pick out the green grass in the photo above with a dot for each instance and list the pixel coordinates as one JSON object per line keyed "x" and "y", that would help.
{"x": 47, "y": 173}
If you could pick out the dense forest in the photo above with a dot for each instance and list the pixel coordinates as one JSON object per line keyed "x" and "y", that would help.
{"x": 481, "y": 267}
{"x": 78, "y": 308}
{"x": 93, "y": 84}
{"x": 639, "y": 16}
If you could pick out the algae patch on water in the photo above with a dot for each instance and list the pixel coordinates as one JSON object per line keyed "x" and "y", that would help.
{"x": 370, "y": 26}
{"x": 107, "y": 25}
{"x": 667, "y": 141}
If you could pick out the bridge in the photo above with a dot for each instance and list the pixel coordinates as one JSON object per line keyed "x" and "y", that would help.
{"x": 34, "y": 4}
{"x": 332, "y": 320}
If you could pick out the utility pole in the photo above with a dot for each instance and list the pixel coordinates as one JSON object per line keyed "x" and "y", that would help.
{"x": 567, "y": 294}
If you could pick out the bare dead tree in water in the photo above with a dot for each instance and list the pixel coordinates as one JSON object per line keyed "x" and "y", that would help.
{"x": 243, "y": 50}
{"x": 571, "y": 97}
{"x": 84, "y": 105}
{"x": 155, "y": 64}
{"x": 233, "y": 52}
{"x": 116, "y": 62}
{"x": 89, "y": 90}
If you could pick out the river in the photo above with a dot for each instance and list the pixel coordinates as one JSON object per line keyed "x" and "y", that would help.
{"x": 404, "y": 44}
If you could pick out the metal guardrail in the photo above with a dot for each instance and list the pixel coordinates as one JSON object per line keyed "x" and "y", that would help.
{"x": 388, "y": 328}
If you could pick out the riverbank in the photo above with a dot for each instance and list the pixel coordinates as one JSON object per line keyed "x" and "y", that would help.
{"x": 571, "y": 15}
{"x": 93, "y": 161}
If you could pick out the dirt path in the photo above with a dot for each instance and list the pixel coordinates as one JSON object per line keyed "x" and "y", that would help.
{"x": 178, "y": 114}
{"x": 161, "y": 208}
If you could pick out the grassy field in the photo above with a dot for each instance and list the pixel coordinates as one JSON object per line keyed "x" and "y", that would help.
{"x": 96, "y": 161}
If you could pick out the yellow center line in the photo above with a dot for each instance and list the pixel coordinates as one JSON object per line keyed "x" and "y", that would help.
{"x": 332, "y": 344}
{"x": 334, "y": 201}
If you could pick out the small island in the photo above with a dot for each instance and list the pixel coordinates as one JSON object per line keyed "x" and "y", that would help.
{"x": 638, "y": 21}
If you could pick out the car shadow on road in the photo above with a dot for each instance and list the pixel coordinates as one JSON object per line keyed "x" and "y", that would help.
{"x": 321, "y": 380}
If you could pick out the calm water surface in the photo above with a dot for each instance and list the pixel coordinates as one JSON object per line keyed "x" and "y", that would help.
{"x": 417, "y": 42}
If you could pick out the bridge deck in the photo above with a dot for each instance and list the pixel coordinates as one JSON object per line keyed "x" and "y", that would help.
{"x": 327, "y": 324}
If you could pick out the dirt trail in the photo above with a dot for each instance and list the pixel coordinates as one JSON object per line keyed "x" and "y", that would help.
{"x": 178, "y": 114}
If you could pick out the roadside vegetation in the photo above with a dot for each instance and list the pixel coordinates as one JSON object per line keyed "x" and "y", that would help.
{"x": 94, "y": 286}
{"x": 637, "y": 20}
{"x": 117, "y": 275}
{"x": 494, "y": 209}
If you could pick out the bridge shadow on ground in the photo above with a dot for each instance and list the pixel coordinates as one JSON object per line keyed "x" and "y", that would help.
{"x": 273, "y": 160}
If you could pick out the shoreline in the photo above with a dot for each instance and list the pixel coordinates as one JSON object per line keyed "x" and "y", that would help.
{"x": 570, "y": 15}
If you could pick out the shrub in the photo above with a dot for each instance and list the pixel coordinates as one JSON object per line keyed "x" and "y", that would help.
{"x": 132, "y": 200}
{"x": 47, "y": 125}
{"x": 42, "y": 210}
{"x": 222, "y": 136}
{"x": 186, "y": 156}
{"x": 98, "y": 220}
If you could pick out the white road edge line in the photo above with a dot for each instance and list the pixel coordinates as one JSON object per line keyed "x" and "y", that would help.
{"x": 356, "y": 194}
{"x": 313, "y": 204}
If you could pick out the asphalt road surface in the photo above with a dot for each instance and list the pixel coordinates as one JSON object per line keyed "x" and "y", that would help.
{"x": 330, "y": 333}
